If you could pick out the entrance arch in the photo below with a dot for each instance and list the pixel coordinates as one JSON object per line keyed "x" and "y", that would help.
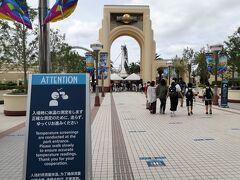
{"x": 126, "y": 31}
{"x": 133, "y": 21}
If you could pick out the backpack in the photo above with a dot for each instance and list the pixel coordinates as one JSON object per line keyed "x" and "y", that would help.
{"x": 189, "y": 94}
{"x": 208, "y": 93}
{"x": 182, "y": 86}
{"x": 173, "y": 92}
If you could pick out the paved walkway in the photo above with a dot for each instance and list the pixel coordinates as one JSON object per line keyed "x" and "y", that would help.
{"x": 130, "y": 143}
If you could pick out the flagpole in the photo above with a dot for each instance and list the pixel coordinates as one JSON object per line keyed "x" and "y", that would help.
{"x": 44, "y": 43}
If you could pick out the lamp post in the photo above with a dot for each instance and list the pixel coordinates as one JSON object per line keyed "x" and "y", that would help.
{"x": 215, "y": 49}
{"x": 96, "y": 47}
{"x": 169, "y": 64}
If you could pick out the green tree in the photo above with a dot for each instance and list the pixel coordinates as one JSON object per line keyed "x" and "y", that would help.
{"x": 4, "y": 44}
{"x": 68, "y": 61}
{"x": 134, "y": 67}
{"x": 20, "y": 49}
{"x": 200, "y": 61}
{"x": 179, "y": 66}
{"x": 188, "y": 55}
{"x": 57, "y": 41}
{"x": 63, "y": 58}
{"x": 233, "y": 51}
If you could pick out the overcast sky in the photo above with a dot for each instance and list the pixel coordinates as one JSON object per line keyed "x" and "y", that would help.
{"x": 177, "y": 24}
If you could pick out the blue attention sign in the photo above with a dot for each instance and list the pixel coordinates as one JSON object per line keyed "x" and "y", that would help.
{"x": 57, "y": 144}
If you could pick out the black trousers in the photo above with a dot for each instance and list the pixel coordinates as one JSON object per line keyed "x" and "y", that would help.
{"x": 163, "y": 104}
{"x": 153, "y": 107}
{"x": 173, "y": 103}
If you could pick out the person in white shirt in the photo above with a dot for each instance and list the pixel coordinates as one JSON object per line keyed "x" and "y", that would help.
{"x": 178, "y": 88}
{"x": 151, "y": 97}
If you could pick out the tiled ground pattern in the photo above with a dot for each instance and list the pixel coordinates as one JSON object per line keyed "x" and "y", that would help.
{"x": 102, "y": 163}
{"x": 12, "y": 130}
{"x": 11, "y": 156}
{"x": 121, "y": 165}
{"x": 196, "y": 147}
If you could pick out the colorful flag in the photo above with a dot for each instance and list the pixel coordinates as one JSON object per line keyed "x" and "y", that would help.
{"x": 23, "y": 5}
{"x": 89, "y": 63}
{"x": 210, "y": 62}
{"x": 104, "y": 73}
{"x": 222, "y": 63}
{"x": 61, "y": 10}
{"x": 103, "y": 69}
{"x": 15, "y": 10}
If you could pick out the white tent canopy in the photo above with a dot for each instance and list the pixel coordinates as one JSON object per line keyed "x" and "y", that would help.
{"x": 133, "y": 77}
{"x": 115, "y": 77}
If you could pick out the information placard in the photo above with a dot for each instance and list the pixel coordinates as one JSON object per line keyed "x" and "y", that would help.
{"x": 58, "y": 139}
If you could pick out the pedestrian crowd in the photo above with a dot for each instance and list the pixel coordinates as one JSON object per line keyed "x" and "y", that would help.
{"x": 176, "y": 92}
{"x": 127, "y": 86}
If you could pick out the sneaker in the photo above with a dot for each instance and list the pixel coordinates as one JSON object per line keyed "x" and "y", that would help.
{"x": 210, "y": 112}
{"x": 206, "y": 112}
{"x": 189, "y": 114}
